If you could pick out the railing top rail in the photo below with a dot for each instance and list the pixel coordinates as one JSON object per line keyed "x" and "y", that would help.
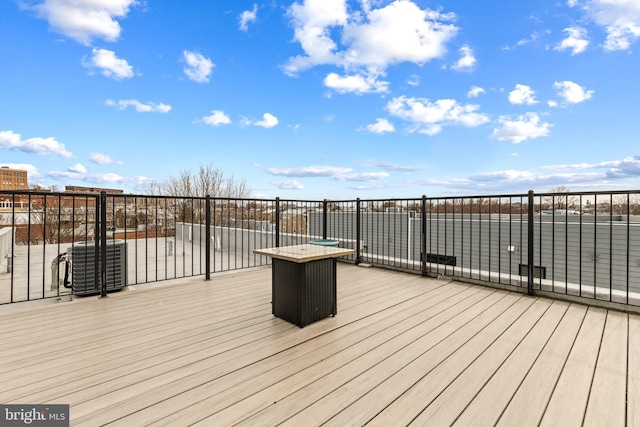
{"x": 481, "y": 196}
{"x": 402, "y": 199}
{"x": 588, "y": 193}
{"x": 36, "y": 193}
{"x": 47, "y": 193}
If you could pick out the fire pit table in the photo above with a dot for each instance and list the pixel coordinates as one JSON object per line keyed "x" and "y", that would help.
{"x": 303, "y": 282}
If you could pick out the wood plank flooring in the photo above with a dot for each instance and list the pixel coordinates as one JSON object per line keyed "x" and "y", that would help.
{"x": 403, "y": 350}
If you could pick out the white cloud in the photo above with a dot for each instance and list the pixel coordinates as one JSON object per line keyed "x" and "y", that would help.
{"x": 391, "y": 166}
{"x": 475, "y": 91}
{"x": 355, "y": 84}
{"x": 576, "y": 40}
{"x": 413, "y": 80}
{"x": 553, "y": 175}
{"x": 619, "y": 18}
{"x": 336, "y": 173}
{"x": 429, "y": 117}
{"x": 77, "y": 168}
{"x": 586, "y": 175}
{"x": 310, "y": 171}
{"x": 41, "y": 146}
{"x": 398, "y": 32}
{"x": 572, "y": 92}
{"x": 217, "y": 118}
{"x": 268, "y": 121}
{"x": 32, "y": 171}
{"x": 149, "y": 107}
{"x": 522, "y": 94}
{"x": 198, "y": 67}
{"x": 288, "y": 185}
{"x": 364, "y": 176}
{"x": 528, "y": 126}
{"x": 312, "y": 21}
{"x": 467, "y": 60}
{"x": 381, "y": 126}
{"x": 110, "y": 179}
{"x": 137, "y": 184}
{"x": 84, "y": 20}
{"x": 111, "y": 66}
{"x": 248, "y": 16}
{"x": 103, "y": 159}
{"x": 534, "y": 37}
{"x": 365, "y": 42}
{"x": 627, "y": 168}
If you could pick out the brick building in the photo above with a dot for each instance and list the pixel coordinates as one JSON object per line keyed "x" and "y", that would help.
{"x": 13, "y": 179}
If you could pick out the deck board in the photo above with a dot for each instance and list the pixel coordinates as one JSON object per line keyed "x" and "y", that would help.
{"x": 403, "y": 349}
{"x": 568, "y": 402}
{"x": 288, "y": 360}
{"x": 364, "y": 372}
{"x": 606, "y": 406}
{"x": 528, "y": 404}
{"x": 281, "y": 367}
{"x": 426, "y": 388}
{"x": 489, "y": 385}
{"x": 396, "y": 382}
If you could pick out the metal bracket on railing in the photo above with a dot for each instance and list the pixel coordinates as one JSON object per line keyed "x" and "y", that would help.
{"x": 9, "y": 258}
{"x": 55, "y": 266}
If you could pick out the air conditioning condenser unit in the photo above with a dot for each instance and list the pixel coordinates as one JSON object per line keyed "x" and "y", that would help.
{"x": 83, "y": 267}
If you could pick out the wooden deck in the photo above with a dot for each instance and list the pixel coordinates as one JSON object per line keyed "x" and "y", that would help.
{"x": 402, "y": 350}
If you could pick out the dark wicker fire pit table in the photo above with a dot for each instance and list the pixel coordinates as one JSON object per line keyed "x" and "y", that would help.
{"x": 303, "y": 282}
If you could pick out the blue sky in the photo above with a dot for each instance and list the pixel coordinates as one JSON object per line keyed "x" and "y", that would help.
{"x": 324, "y": 98}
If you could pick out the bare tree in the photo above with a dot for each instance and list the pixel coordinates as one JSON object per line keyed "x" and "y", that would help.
{"x": 560, "y": 199}
{"x": 207, "y": 180}
{"x": 154, "y": 188}
{"x": 634, "y": 204}
{"x": 623, "y": 204}
{"x": 50, "y": 222}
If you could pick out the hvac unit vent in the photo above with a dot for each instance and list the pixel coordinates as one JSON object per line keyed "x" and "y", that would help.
{"x": 441, "y": 259}
{"x": 83, "y": 267}
{"x": 538, "y": 271}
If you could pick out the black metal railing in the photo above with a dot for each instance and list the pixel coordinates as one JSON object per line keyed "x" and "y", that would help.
{"x": 582, "y": 245}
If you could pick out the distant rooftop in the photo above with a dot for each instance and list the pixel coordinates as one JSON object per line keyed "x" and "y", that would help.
{"x": 80, "y": 189}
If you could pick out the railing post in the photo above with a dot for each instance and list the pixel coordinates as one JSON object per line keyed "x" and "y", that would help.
{"x": 324, "y": 218}
{"x": 207, "y": 234}
{"x": 423, "y": 236}
{"x": 530, "y": 246}
{"x": 277, "y": 222}
{"x": 358, "y": 237}
{"x": 103, "y": 244}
